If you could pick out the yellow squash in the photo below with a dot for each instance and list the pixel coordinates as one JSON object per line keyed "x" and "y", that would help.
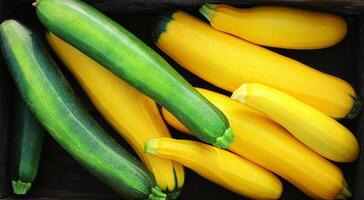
{"x": 219, "y": 166}
{"x": 278, "y": 26}
{"x": 260, "y": 140}
{"x": 133, "y": 115}
{"x": 227, "y": 62}
{"x": 318, "y": 131}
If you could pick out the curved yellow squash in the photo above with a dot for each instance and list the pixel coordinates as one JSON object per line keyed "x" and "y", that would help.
{"x": 133, "y": 115}
{"x": 219, "y": 166}
{"x": 278, "y": 26}
{"x": 227, "y": 62}
{"x": 318, "y": 131}
{"x": 260, "y": 140}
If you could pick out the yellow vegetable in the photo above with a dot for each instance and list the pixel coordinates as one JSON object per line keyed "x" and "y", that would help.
{"x": 260, "y": 140}
{"x": 227, "y": 62}
{"x": 219, "y": 166}
{"x": 319, "y": 132}
{"x": 133, "y": 115}
{"x": 278, "y": 26}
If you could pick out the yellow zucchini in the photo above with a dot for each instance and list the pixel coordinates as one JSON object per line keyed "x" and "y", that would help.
{"x": 316, "y": 130}
{"x": 278, "y": 26}
{"x": 219, "y": 166}
{"x": 121, "y": 52}
{"x": 227, "y": 62}
{"x": 133, "y": 115}
{"x": 260, "y": 140}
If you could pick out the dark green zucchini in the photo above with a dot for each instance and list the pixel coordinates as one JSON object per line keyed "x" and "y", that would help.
{"x": 26, "y": 139}
{"x": 129, "y": 58}
{"x": 53, "y": 102}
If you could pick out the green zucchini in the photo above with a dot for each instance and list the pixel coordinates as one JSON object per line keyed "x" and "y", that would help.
{"x": 53, "y": 102}
{"x": 129, "y": 58}
{"x": 26, "y": 139}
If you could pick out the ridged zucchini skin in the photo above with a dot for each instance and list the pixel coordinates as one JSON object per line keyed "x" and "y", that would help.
{"x": 319, "y": 132}
{"x": 267, "y": 144}
{"x": 227, "y": 62}
{"x": 26, "y": 139}
{"x": 278, "y": 26}
{"x": 125, "y": 55}
{"x": 136, "y": 122}
{"x": 53, "y": 102}
{"x": 219, "y": 166}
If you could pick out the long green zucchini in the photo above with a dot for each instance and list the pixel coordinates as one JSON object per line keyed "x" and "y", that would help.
{"x": 129, "y": 58}
{"x": 54, "y": 103}
{"x": 26, "y": 145}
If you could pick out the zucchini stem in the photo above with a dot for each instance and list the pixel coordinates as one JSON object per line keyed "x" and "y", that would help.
{"x": 345, "y": 192}
{"x": 151, "y": 145}
{"x": 225, "y": 140}
{"x": 160, "y": 26}
{"x": 175, "y": 194}
{"x": 157, "y": 194}
{"x": 207, "y": 10}
{"x": 20, "y": 188}
{"x": 356, "y": 108}
{"x": 240, "y": 94}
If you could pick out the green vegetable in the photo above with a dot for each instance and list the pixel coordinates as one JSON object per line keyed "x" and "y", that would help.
{"x": 129, "y": 58}
{"x": 27, "y": 139}
{"x": 54, "y": 103}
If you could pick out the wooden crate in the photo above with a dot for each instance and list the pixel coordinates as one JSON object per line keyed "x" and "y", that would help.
{"x": 61, "y": 177}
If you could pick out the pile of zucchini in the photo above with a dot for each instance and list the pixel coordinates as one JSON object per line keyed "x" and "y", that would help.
{"x": 281, "y": 128}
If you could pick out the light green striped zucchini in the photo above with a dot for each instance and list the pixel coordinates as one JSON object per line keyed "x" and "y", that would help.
{"x": 53, "y": 102}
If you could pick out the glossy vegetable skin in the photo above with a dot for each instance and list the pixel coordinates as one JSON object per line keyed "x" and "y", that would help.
{"x": 134, "y": 115}
{"x": 227, "y": 62}
{"x": 262, "y": 141}
{"x": 316, "y": 130}
{"x": 26, "y": 145}
{"x": 125, "y": 55}
{"x": 53, "y": 102}
{"x": 278, "y": 26}
{"x": 219, "y": 166}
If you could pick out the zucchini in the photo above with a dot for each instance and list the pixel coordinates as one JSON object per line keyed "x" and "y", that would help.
{"x": 227, "y": 62}
{"x": 53, "y": 102}
{"x": 131, "y": 121}
{"x": 125, "y": 55}
{"x": 27, "y": 139}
